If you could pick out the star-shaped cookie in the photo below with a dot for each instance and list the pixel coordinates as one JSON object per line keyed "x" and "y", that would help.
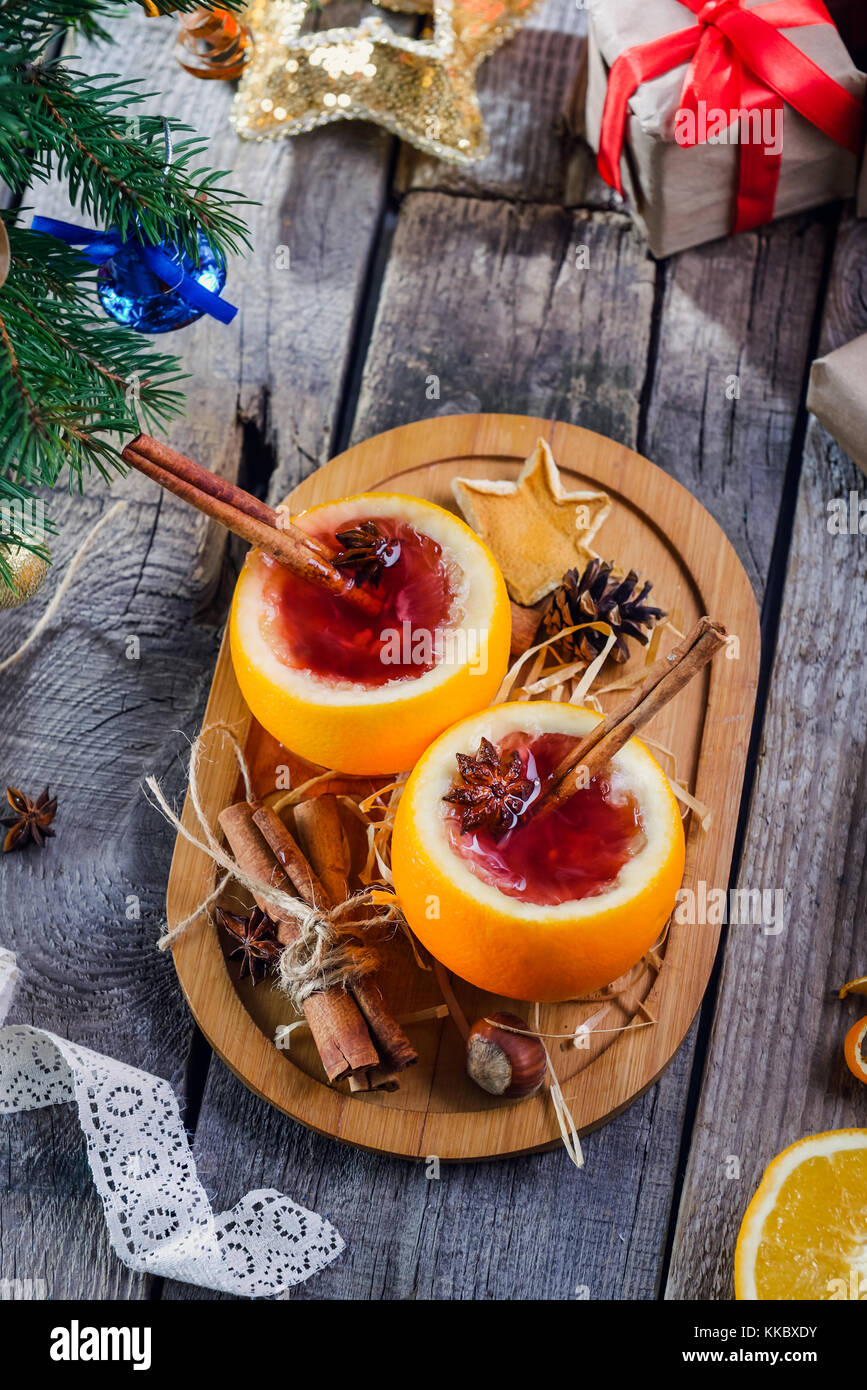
{"x": 535, "y": 528}
{"x": 421, "y": 89}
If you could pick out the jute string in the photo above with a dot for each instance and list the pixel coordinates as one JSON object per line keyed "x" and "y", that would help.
{"x": 333, "y": 947}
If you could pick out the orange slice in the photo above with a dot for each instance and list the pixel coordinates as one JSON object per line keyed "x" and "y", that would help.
{"x": 804, "y": 1235}
{"x": 856, "y": 986}
{"x": 363, "y": 729}
{"x": 522, "y": 949}
{"x": 855, "y": 1049}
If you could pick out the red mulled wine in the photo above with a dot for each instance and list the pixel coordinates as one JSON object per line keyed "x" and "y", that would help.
{"x": 575, "y": 852}
{"x": 314, "y": 630}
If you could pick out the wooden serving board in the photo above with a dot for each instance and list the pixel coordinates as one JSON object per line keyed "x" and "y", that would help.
{"x": 655, "y": 526}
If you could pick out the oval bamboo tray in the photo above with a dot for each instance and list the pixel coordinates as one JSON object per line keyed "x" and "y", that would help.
{"x": 655, "y": 526}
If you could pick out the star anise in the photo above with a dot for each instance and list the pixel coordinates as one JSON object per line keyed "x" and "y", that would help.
{"x": 31, "y": 819}
{"x": 495, "y": 790}
{"x": 367, "y": 551}
{"x": 257, "y": 946}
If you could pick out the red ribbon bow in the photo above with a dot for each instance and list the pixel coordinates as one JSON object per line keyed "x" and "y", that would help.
{"x": 737, "y": 61}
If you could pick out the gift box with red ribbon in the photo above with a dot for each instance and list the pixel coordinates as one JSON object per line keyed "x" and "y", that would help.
{"x": 716, "y": 116}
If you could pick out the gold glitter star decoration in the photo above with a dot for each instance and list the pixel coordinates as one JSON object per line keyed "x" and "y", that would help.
{"x": 422, "y": 90}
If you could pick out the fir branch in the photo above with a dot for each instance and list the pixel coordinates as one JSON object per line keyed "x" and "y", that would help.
{"x": 75, "y": 382}
{"x": 56, "y": 121}
{"x": 28, "y": 412}
{"x": 31, "y": 24}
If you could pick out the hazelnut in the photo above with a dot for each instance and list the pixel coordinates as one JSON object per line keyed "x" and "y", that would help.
{"x": 505, "y": 1063}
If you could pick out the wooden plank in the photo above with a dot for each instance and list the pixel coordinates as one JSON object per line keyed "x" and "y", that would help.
{"x": 775, "y": 1068}
{"x": 77, "y": 713}
{"x": 530, "y": 310}
{"x": 524, "y": 89}
{"x": 531, "y": 1228}
{"x": 728, "y": 367}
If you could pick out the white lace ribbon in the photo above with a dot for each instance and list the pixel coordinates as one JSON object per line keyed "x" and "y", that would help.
{"x": 158, "y": 1215}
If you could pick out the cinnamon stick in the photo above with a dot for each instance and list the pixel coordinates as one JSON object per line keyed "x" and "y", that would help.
{"x": 379, "y": 1079}
{"x": 336, "y": 1025}
{"x": 663, "y": 681}
{"x": 324, "y": 878}
{"x": 155, "y": 452}
{"x": 395, "y": 1049}
{"x": 290, "y": 857}
{"x": 322, "y": 838}
{"x": 255, "y": 522}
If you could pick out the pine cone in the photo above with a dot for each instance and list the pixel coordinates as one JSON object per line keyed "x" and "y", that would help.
{"x": 597, "y": 596}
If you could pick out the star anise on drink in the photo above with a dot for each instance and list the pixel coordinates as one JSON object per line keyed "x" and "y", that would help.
{"x": 31, "y": 819}
{"x": 367, "y": 551}
{"x": 257, "y": 946}
{"x": 495, "y": 789}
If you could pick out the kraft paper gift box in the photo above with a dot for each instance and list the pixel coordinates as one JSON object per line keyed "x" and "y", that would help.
{"x": 683, "y": 195}
{"x": 838, "y": 397}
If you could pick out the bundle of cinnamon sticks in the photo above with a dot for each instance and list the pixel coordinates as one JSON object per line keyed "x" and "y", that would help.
{"x": 355, "y": 1035}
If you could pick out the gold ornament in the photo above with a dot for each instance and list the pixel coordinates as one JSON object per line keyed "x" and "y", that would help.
{"x": 28, "y": 574}
{"x": 423, "y": 90}
{"x": 212, "y": 44}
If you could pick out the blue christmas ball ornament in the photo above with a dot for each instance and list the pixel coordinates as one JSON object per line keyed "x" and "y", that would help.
{"x": 133, "y": 294}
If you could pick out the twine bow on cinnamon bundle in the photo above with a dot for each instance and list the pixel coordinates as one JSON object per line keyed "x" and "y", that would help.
{"x": 328, "y": 964}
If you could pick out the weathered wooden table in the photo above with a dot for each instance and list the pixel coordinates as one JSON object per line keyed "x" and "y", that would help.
{"x": 401, "y": 269}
